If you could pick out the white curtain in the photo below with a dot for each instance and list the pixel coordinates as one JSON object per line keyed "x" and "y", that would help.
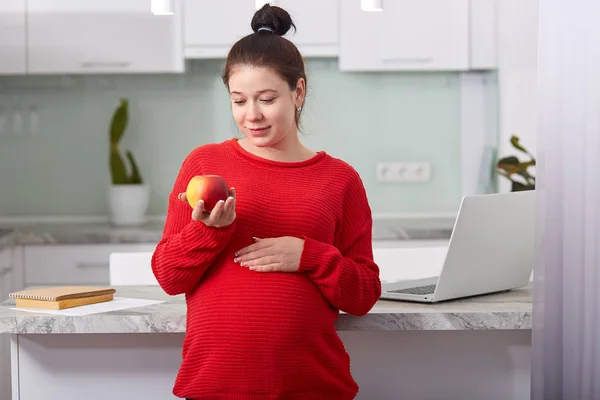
{"x": 566, "y": 309}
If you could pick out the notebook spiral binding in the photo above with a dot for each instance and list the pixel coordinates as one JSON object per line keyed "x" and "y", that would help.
{"x": 30, "y": 297}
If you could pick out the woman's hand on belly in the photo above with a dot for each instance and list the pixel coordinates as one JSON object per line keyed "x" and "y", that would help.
{"x": 281, "y": 254}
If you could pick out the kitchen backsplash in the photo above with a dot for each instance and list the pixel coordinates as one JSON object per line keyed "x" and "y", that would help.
{"x": 53, "y": 158}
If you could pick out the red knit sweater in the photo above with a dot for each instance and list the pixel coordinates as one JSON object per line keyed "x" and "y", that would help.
{"x": 269, "y": 335}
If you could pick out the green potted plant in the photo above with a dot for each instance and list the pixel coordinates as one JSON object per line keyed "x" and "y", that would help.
{"x": 128, "y": 195}
{"x": 517, "y": 171}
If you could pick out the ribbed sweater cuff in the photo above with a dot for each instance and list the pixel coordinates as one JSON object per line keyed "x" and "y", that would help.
{"x": 199, "y": 235}
{"x": 314, "y": 254}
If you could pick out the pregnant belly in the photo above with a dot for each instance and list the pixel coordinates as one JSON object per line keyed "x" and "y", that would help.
{"x": 270, "y": 328}
{"x": 274, "y": 304}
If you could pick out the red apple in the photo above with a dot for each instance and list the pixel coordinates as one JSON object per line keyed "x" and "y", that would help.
{"x": 210, "y": 188}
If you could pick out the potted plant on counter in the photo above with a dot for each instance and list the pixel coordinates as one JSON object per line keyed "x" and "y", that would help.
{"x": 517, "y": 171}
{"x": 128, "y": 196}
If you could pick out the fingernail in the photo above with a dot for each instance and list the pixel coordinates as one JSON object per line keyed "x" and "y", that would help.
{"x": 251, "y": 268}
{"x": 236, "y": 259}
{"x": 221, "y": 201}
{"x": 237, "y": 253}
{"x": 243, "y": 264}
{"x": 255, "y": 238}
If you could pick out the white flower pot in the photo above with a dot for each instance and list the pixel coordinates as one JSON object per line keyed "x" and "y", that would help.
{"x": 128, "y": 204}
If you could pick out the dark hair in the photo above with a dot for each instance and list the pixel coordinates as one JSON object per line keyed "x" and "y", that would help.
{"x": 267, "y": 48}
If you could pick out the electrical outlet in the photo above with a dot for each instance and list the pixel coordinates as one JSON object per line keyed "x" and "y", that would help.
{"x": 403, "y": 171}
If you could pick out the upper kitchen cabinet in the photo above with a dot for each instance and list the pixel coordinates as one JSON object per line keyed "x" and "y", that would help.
{"x": 12, "y": 37}
{"x": 108, "y": 36}
{"x": 415, "y": 35}
{"x": 318, "y": 26}
{"x": 211, "y": 27}
{"x": 483, "y": 34}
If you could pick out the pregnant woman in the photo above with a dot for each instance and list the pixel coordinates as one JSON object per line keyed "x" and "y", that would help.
{"x": 266, "y": 272}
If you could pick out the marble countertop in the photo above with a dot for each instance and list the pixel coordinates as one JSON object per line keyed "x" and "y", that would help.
{"x": 501, "y": 311}
{"x": 79, "y": 233}
{"x": 104, "y": 233}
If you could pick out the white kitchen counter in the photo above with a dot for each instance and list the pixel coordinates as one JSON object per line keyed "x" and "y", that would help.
{"x": 469, "y": 349}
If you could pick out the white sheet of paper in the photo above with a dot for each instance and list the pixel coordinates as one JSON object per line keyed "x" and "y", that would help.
{"x": 119, "y": 303}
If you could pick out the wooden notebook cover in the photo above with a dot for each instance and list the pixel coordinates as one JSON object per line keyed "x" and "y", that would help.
{"x": 58, "y": 293}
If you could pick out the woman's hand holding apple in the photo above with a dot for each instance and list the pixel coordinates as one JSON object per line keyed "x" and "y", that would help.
{"x": 223, "y": 213}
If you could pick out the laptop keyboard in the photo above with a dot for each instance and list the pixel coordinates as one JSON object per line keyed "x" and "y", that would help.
{"x": 428, "y": 289}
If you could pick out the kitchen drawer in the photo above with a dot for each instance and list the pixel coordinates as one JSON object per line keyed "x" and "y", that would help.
{"x": 72, "y": 264}
{"x": 6, "y": 287}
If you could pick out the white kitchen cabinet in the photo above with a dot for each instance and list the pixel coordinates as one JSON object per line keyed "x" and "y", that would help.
{"x": 407, "y": 35}
{"x": 73, "y": 264}
{"x": 318, "y": 26}
{"x": 483, "y": 34}
{"x": 211, "y": 28}
{"x": 12, "y": 37}
{"x": 6, "y": 287}
{"x": 109, "y": 36}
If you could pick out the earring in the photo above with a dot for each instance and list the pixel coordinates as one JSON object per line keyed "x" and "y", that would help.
{"x": 299, "y": 108}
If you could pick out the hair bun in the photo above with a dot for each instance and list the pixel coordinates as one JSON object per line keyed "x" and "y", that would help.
{"x": 275, "y": 18}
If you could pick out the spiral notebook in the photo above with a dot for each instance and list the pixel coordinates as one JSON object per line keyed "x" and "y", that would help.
{"x": 61, "y": 297}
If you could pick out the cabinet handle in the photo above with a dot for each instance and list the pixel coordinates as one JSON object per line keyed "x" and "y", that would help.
{"x": 105, "y": 64}
{"x": 92, "y": 265}
{"x": 407, "y": 60}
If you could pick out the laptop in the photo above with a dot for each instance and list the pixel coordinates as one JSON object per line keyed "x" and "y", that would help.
{"x": 491, "y": 249}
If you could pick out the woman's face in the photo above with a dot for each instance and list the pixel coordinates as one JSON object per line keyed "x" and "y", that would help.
{"x": 263, "y": 106}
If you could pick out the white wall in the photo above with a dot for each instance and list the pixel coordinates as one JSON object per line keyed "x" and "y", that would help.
{"x": 517, "y": 75}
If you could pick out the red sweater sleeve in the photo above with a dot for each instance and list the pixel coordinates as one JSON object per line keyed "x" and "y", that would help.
{"x": 187, "y": 247}
{"x": 345, "y": 272}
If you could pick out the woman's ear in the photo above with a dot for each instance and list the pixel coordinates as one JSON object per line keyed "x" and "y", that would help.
{"x": 300, "y": 92}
